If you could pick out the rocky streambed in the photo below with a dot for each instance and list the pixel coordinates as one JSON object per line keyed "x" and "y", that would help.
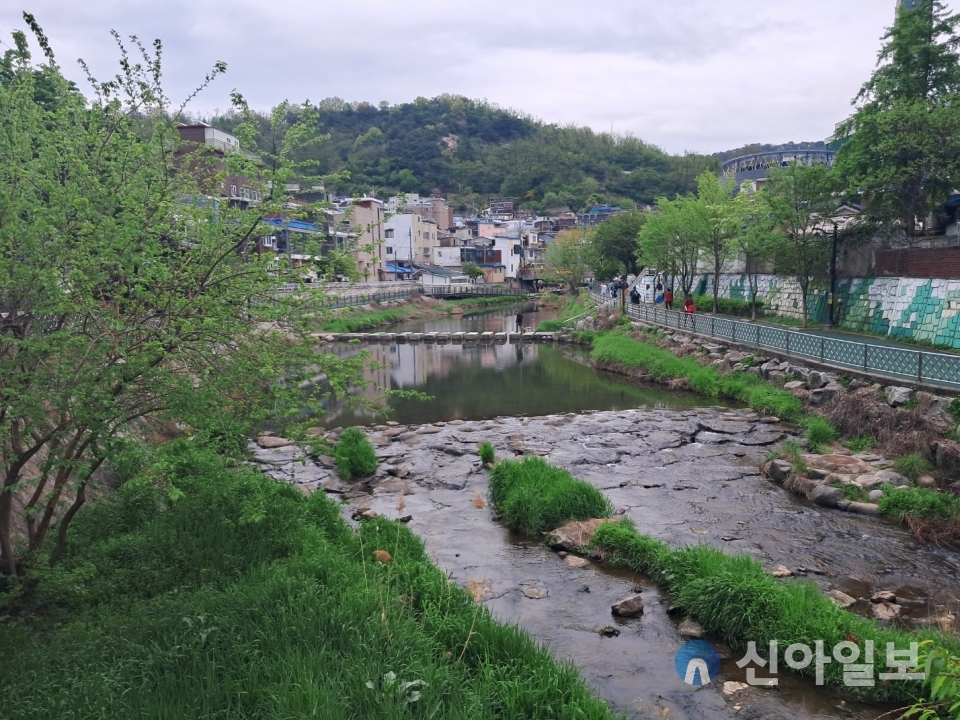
{"x": 683, "y": 477}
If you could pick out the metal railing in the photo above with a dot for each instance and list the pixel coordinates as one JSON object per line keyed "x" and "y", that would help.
{"x": 470, "y": 290}
{"x": 915, "y": 365}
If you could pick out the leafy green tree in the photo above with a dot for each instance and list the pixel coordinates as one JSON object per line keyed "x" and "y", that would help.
{"x": 129, "y": 292}
{"x": 801, "y": 200}
{"x": 903, "y": 152}
{"x": 713, "y": 217}
{"x": 472, "y": 270}
{"x": 672, "y": 240}
{"x": 567, "y": 259}
{"x": 753, "y": 237}
{"x": 615, "y": 241}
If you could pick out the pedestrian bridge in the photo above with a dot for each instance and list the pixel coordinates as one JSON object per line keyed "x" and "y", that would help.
{"x": 443, "y": 338}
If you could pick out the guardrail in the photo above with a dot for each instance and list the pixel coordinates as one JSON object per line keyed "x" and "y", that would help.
{"x": 470, "y": 290}
{"x": 915, "y": 365}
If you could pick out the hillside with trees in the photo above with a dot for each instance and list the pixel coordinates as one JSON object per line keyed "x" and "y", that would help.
{"x": 471, "y": 150}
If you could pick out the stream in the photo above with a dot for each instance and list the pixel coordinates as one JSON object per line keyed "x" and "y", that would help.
{"x": 682, "y": 471}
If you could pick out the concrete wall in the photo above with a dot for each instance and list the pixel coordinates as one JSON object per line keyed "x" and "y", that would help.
{"x": 915, "y": 308}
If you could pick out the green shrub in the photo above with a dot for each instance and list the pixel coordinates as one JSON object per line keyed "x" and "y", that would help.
{"x": 534, "y": 497}
{"x": 954, "y": 409}
{"x": 851, "y": 492}
{"x": 919, "y": 502}
{"x": 819, "y": 432}
{"x": 794, "y": 457}
{"x": 912, "y": 466}
{"x": 354, "y": 454}
{"x": 550, "y": 326}
{"x": 486, "y": 452}
{"x": 726, "y": 306}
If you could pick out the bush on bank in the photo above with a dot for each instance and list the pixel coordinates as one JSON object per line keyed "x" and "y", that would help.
{"x": 732, "y": 596}
{"x": 619, "y": 349}
{"x": 203, "y": 591}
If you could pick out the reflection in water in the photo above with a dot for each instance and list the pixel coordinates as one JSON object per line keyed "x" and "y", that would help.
{"x": 470, "y": 382}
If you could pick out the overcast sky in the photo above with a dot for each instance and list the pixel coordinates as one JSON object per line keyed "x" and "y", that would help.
{"x": 697, "y": 75}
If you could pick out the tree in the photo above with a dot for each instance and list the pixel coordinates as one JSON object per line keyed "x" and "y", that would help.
{"x": 753, "y": 237}
{"x": 903, "y": 151}
{"x": 615, "y": 241}
{"x": 713, "y": 217}
{"x": 672, "y": 240}
{"x": 567, "y": 259}
{"x": 801, "y": 201}
{"x": 472, "y": 270}
{"x": 129, "y": 291}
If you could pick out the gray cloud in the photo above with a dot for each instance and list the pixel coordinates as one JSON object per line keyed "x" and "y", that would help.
{"x": 699, "y": 75}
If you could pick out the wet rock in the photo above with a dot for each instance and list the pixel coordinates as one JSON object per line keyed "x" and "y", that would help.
{"x": 576, "y": 562}
{"x": 882, "y": 477}
{"x": 860, "y": 508}
{"x": 536, "y": 593}
{"x": 837, "y": 463}
{"x": 272, "y": 442}
{"x": 898, "y": 396}
{"x": 782, "y": 571}
{"x": 827, "y": 496}
{"x": 730, "y": 687}
{"x": 429, "y": 430}
{"x": 452, "y": 450}
{"x": 817, "y": 473}
{"x": 725, "y": 427}
{"x": 841, "y": 598}
{"x": 364, "y": 514}
{"x": 574, "y": 535}
{"x": 886, "y": 612}
{"x": 691, "y": 629}
{"x": 768, "y": 368}
{"x": 609, "y": 631}
{"x": 628, "y": 607}
{"x": 777, "y": 470}
{"x": 883, "y": 596}
{"x": 875, "y": 495}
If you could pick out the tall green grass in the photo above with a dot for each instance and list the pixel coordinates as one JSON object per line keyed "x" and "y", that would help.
{"x": 819, "y": 432}
{"x": 732, "y": 596}
{"x": 354, "y": 454}
{"x": 201, "y": 591}
{"x": 534, "y": 497}
{"x": 616, "y": 348}
{"x": 919, "y": 502}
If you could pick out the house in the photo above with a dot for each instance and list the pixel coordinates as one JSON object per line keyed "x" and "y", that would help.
{"x": 408, "y": 238}
{"x": 203, "y": 150}
{"x": 433, "y": 276}
{"x": 501, "y": 208}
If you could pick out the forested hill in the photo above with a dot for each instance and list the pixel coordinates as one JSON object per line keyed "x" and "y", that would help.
{"x": 471, "y": 150}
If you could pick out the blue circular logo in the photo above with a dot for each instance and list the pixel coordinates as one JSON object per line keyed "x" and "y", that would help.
{"x": 697, "y": 663}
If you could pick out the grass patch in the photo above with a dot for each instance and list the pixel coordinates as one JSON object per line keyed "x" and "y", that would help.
{"x": 550, "y": 326}
{"x": 362, "y": 318}
{"x": 534, "y": 497}
{"x": 486, "y": 452}
{"x": 920, "y": 503}
{"x": 354, "y": 454}
{"x": 850, "y": 492}
{"x": 732, "y": 596}
{"x": 727, "y": 306}
{"x": 795, "y": 458}
{"x": 912, "y": 466}
{"x": 619, "y": 349}
{"x": 243, "y": 598}
{"x": 819, "y": 432}
{"x": 860, "y": 443}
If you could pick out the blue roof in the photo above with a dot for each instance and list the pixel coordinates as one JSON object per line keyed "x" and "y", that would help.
{"x": 398, "y": 269}
{"x": 294, "y": 225}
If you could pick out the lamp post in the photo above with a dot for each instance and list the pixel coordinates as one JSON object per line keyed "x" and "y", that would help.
{"x": 833, "y": 279}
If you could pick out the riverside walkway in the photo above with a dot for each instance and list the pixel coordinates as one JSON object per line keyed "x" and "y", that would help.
{"x": 881, "y": 359}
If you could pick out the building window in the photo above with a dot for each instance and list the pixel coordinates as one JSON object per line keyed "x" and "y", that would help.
{"x": 426, "y": 251}
{"x": 389, "y": 250}
{"x": 233, "y": 191}
{"x": 388, "y": 233}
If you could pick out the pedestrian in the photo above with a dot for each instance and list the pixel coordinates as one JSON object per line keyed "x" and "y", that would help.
{"x": 659, "y": 287}
{"x": 603, "y": 288}
{"x": 634, "y": 296}
{"x": 688, "y": 307}
{"x": 519, "y": 321}
{"x": 668, "y": 299}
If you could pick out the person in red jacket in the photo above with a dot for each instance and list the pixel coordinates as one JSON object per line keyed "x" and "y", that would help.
{"x": 668, "y": 299}
{"x": 688, "y": 307}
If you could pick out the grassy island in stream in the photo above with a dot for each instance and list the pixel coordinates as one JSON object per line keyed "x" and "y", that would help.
{"x": 200, "y": 590}
{"x": 732, "y": 596}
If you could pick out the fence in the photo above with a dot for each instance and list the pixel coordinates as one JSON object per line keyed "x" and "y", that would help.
{"x": 470, "y": 291}
{"x": 916, "y": 365}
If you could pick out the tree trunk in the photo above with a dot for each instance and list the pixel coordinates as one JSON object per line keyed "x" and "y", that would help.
{"x": 803, "y": 302}
{"x": 8, "y": 561}
{"x": 716, "y": 285}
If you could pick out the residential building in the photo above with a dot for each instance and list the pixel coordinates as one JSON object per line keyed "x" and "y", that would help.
{"x": 408, "y": 238}
{"x": 442, "y": 276}
{"x": 207, "y": 147}
{"x": 501, "y": 208}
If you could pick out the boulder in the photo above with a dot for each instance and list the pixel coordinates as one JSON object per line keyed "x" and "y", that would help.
{"x": 856, "y": 384}
{"x": 776, "y": 377}
{"x": 794, "y": 385}
{"x": 782, "y": 571}
{"x": 935, "y": 411}
{"x": 926, "y": 481}
{"x": 576, "y": 562}
{"x": 711, "y": 349}
{"x": 574, "y": 535}
{"x": 777, "y": 470}
{"x": 860, "y": 508}
{"x": 891, "y": 477}
{"x": 886, "y": 612}
{"x": 628, "y": 606}
{"x": 815, "y": 380}
{"x": 272, "y": 442}
{"x": 898, "y": 396}
{"x": 875, "y": 496}
{"x": 691, "y": 629}
{"x": 842, "y": 464}
{"x": 884, "y": 596}
{"x": 824, "y": 394}
{"x": 827, "y": 495}
{"x": 769, "y": 367}
{"x": 840, "y": 598}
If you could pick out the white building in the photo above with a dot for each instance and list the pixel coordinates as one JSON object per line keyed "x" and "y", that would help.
{"x": 409, "y": 238}
{"x": 442, "y": 276}
{"x": 448, "y": 257}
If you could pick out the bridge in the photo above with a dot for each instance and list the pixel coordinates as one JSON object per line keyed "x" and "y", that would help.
{"x": 442, "y": 338}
